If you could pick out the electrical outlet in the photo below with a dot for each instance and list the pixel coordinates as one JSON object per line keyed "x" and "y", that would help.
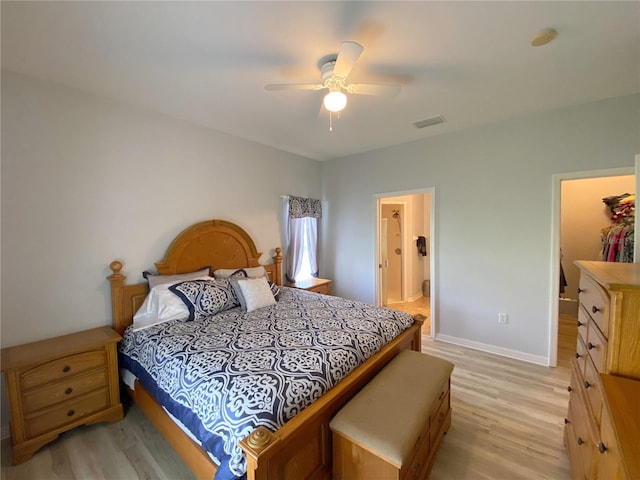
{"x": 503, "y": 318}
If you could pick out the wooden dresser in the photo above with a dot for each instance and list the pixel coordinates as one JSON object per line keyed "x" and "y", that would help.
{"x": 608, "y": 343}
{"x": 57, "y": 384}
{"x": 318, "y": 285}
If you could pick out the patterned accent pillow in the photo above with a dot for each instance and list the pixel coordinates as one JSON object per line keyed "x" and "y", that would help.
{"x": 255, "y": 293}
{"x": 204, "y": 298}
{"x": 275, "y": 289}
{"x": 249, "y": 272}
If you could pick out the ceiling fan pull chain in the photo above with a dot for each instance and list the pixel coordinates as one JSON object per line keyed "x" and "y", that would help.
{"x": 330, "y": 121}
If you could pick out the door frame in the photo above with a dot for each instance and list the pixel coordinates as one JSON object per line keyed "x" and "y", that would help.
{"x": 433, "y": 262}
{"x": 556, "y": 193}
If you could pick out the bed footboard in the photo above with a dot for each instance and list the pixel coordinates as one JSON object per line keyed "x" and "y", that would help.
{"x": 302, "y": 447}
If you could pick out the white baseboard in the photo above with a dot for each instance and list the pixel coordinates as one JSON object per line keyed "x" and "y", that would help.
{"x": 484, "y": 347}
{"x": 5, "y": 432}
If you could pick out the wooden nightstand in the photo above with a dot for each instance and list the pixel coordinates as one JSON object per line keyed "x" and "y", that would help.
{"x": 318, "y": 285}
{"x": 58, "y": 384}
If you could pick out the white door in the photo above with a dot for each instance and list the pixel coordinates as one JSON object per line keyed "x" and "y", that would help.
{"x": 384, "y": 262}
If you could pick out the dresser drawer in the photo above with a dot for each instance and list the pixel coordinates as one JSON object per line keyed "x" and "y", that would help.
{"x": 596, "y": 301}
{"x": 580, "y": 437}
{"x": 575, "y": 452}
{"x": 609, "y": 459}
{"x": 581, "y": 355}
{"x": 63, "y": 368}
{"x": 592, "y": 389}
{"x": 597, "y": 347}
{"x": 583, "y": 324}
{"x": 62, "y": 390}
{"x": 66, "y": 412}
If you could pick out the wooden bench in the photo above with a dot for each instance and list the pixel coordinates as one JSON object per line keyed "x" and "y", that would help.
{"x": 393, "y": 427}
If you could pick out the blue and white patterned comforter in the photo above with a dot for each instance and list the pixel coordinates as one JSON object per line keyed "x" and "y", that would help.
{"x": 226, "y": 375}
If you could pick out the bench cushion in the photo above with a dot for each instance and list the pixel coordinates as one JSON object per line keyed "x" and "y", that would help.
{"x": 390, "y": 412}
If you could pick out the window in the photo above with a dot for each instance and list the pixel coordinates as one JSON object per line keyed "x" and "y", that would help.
{"x": 302, "y": 238}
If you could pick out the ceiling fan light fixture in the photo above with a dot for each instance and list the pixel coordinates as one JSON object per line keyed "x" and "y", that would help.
{"x": 335, "y": 101}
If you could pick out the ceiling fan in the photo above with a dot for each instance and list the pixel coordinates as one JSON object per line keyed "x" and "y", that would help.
{"x": 334, "y": 72}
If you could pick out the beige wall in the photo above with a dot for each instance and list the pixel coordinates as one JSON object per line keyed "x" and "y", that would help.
{"x": 86, "y": 180}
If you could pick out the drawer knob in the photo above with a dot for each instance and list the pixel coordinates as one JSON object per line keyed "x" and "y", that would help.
{"x": 68, "y": 391}
{"x": 71, "y": 413}
{"x": 580, "y": 441}
{"x": 580, "y": 324}
{"x": 569, "y": 389}
{"x": 566, "y": 421}
{"x": 578, "y": 355}
{"x": 602, "y": 448}
{"x": 590, "y": 346}
{"x": 586, "y": 384}
{"x": 580, "y": 290}
{"x": 595, "y": 309}
{"x": 66, "y": 368}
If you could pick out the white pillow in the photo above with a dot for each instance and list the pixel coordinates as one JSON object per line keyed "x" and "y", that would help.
{"x": 161, "y": 305}
{"x": 256, "y": 293}
{"x": 251, "y": 272}
{"x": 178, "y": 277}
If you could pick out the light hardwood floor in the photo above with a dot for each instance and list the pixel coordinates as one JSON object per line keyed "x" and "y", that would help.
{"x": 507, "y": 424}
{"x": 422, "y": 306}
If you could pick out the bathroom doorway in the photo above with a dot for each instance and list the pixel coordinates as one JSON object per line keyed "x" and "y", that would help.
{"x": 404, "y": 256}
{"x": 392, "y": 251}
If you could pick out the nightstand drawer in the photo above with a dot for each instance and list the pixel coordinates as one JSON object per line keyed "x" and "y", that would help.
{"x": 324, "y": 289}
{"x": 66, "y": 412}
{"x": 63, "y": 368}
{"x": 36, "y": 399}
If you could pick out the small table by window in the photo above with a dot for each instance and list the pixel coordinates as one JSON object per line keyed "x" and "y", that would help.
{"x": 318, "y": 285}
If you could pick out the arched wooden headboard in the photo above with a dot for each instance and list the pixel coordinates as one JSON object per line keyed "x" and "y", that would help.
{"x": 213, "y": 243}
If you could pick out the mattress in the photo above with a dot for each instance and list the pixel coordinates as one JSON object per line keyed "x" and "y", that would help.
{"x": 225, "y": 375}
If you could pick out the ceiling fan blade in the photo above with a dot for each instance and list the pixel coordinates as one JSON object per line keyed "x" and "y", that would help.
{"x": 294, "y": 86}
{"x": 373, "y": 89}
{"x": 347, "y": 58}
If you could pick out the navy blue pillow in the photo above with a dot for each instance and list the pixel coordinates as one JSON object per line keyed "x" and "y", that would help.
{"x": 205, "y": 298}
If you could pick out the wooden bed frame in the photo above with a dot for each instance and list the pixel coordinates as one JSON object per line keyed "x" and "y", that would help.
{"x": 300, "y": 449}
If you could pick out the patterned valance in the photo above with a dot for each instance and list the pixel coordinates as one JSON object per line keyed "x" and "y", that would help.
{"x": 300, "y": 207}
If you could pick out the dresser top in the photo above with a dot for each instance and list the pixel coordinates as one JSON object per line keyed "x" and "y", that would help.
{"x": 45, "y": 350}
{"x": 613, "y": 275}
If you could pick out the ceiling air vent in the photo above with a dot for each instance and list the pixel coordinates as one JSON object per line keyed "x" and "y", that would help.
{"x": 427, "y": 122}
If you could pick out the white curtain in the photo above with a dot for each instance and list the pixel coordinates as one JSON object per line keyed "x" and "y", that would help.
{"x": 302, "y": 238}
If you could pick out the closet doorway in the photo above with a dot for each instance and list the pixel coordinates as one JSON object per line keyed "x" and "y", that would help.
{"x": 580, "y": 217}
{"x": 404, "y": 253}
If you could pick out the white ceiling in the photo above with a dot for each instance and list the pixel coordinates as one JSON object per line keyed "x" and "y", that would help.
{"x": 207, "y": 62}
